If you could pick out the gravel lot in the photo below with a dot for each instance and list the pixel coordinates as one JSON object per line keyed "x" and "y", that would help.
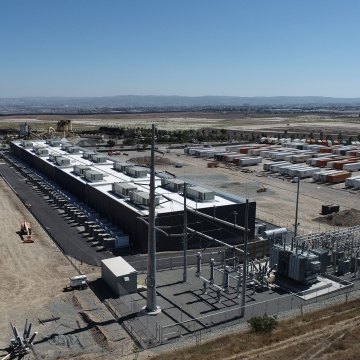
{"x": 32, "y": 280}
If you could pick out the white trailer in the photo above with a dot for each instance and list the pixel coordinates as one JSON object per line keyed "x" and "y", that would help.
{"x": 77, "y": 282}
{"x": 321, "y": 176}
{"x": 287, "y": 169}
{"x": 307, "y": 172}
{"x": 281, "y": 155}
{"x": 352, "y": 166}
{"x": 250, "y": 161}
{"x": 274, "y": 168}
{"x": 351, "y": 181}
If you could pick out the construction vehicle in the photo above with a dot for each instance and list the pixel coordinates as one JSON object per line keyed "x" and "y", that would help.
{"x": 261, "y": 189}
{"x": 25, "y": 229}
{"x": 77, "y": 282}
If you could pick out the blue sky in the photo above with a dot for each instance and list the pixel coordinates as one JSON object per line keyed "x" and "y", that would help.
{"x": 179, "y": 47}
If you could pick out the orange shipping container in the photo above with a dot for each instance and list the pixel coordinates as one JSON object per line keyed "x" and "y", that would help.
{"x": 244, "y": 150}
{"x": 325, "y": 150}
{"x": 338, "y": 178}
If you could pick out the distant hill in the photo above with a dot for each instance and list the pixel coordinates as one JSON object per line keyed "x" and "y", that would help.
{"x": 137, "y": 101}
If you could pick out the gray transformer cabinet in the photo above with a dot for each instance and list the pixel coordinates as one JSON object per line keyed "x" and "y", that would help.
{"x": 119, "y": 275}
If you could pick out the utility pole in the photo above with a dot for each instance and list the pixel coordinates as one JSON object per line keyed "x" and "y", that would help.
{"x": 297, "y": 206}
{"x": 151, "y": 305}
{"x": 243, "y": 293}
{"x": 185, "y": 234}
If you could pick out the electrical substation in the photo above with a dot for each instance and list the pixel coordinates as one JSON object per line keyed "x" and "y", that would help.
{"x": 227, "y": 266}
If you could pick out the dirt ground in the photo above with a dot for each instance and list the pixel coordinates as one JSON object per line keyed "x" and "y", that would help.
{"x": 33, "y": 276}
{"x": 302, "y": 123}
{"x": 277, "y": 204}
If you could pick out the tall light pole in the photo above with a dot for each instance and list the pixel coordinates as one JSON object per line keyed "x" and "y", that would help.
{"x": 243, "y": 294}
{"x": 185, "y": 235}
{"x": 297, "y": 206}
{"x": 151, "y": 305}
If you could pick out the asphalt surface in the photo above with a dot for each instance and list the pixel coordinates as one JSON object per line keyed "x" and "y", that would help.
{"x": 61, "y": 229}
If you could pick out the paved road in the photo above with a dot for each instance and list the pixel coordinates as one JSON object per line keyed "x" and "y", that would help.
{"x": 63, "y": 232}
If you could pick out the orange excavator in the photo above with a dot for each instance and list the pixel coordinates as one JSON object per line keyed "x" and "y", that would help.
{"x": 25, "y": 228}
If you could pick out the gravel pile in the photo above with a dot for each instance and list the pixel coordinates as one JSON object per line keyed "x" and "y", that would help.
{"x": 350, "y": 217}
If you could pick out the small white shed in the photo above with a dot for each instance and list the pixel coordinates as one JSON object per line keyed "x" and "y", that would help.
{"x": 119, "y": 275}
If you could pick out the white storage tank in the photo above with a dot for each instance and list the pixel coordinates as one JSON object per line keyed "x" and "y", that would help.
{"x": 119, "y": 275}
{"x": 275, "y": 234}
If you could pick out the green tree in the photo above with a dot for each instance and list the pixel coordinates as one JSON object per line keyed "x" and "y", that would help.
{"x": 111, "y": 142}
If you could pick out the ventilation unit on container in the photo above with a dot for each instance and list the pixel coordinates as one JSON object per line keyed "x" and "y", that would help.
{"x": 122, "y": 167}
{"x": 198, "y": 193}
{"x": 62, "y": 161}
{"x": 27, "y": 144}
{"x": 93, "y": 175}
{"x": 173, "y": 184}
{"x": 73, "y": 150}
{"x": 54, "y": 143}
{"x": 123, "y": 188}
{"x": 66, "y": 146}
{"x": 53, "y": 157}
{"x": 142, "y": 198}
{"x": 80, "y": 169}
{"x": 98, "y": 158}
{"x": 88, "y": 154}
{"x": 136, "y": 171}
{"x": 41, "y": 151}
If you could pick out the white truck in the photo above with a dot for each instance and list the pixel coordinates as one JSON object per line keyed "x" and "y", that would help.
{"x": 78, "y": 282}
